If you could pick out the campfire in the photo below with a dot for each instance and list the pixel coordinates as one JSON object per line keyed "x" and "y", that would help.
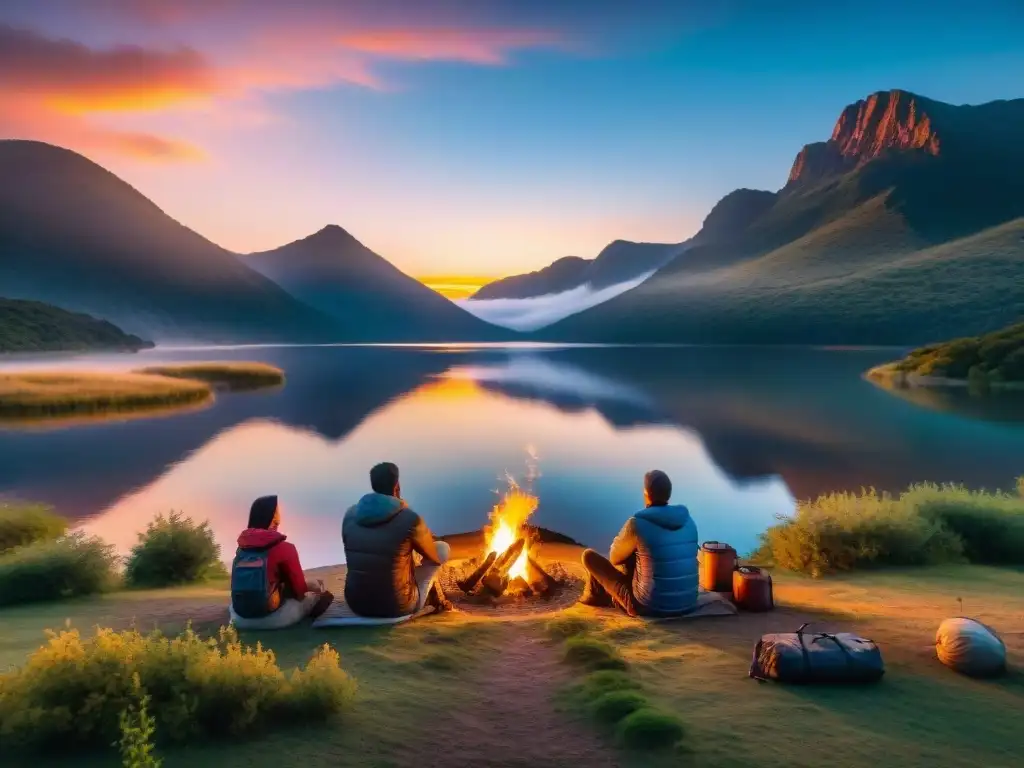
{"x": 508, "y": 568}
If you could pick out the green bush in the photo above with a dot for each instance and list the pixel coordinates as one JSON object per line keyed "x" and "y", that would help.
{"x": 990, "y": 525}
{"x": 564, "y": 627}
{"x": 650, "y": 729}
{"x": 843, "y": 531}
{"x": 592, "y": 653}
{"x": 72, "y": 691}
{"x": 22, "y": 524}
{"x": 596, "y": 684}
{"x": 70, "y": 566}
{"x": 173, "y": 550}
{"x": 137, "y": 729}
{"x": 612, "y": 706}
{"x": 926, "y": 524}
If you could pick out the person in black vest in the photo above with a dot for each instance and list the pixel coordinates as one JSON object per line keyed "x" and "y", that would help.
{"x": 380, "y": 534}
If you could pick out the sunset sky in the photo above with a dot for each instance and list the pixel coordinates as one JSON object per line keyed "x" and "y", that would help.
{"x": 472, "y": 138}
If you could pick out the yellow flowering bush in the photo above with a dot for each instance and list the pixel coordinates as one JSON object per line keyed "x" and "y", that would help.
{"x": 73, "y": 690}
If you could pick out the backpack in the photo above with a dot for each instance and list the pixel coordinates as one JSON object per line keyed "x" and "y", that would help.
{"x": 250, "y": 583}
{"x": 816, "y": 657}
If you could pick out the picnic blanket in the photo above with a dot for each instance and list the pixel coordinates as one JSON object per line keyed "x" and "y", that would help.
{"x": 708, "y": 604}
{"x": 340, "y": 615}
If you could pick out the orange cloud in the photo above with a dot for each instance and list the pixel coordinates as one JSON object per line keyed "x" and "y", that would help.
{"x": 474, "y": 46}
{"x": 146, "y": 146}
{"x": 71, "y": 77}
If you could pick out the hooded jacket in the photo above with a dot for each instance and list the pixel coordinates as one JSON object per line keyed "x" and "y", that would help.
{"x": 380, "y": 534}
{"x": 662, "y": 542}
{"x": 283, "y": 567}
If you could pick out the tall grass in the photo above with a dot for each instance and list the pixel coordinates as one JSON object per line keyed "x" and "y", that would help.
{"x": 924, "y": 525}
{"x": 173, "y": 550}
{"x": 70, "y": 566}
{"x": 73, "y": 690}
{"x": 22, "y": 524}
{"x": 233, "y": 374}
{"x": 47, "y": 394}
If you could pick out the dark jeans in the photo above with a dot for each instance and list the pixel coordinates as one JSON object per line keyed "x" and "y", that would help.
{"x": 608, "y": 584}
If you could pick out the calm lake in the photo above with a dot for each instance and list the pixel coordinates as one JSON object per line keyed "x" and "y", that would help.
{"x": 741, "y": 432}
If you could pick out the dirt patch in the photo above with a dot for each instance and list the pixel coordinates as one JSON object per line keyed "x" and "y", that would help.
{"x": 511, "y": 720}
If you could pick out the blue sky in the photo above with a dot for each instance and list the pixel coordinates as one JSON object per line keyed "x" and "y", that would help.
{"x": 481, "y": 138}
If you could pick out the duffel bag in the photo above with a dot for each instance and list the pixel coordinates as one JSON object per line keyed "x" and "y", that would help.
{"x": 816, "y": 657}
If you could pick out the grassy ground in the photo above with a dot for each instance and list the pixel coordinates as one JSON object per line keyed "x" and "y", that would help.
{"x": 454, "y": 690}
{"x": 34, "y": 396}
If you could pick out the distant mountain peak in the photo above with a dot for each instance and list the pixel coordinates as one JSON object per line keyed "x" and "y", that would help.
{"x": 885, "y": 121}
{"x": 332, "y": 233}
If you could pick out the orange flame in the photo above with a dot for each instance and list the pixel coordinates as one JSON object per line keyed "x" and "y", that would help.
{"x": 509, "y": 516}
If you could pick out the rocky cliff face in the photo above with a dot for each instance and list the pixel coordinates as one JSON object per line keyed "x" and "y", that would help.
{"x": 883, "y": 122}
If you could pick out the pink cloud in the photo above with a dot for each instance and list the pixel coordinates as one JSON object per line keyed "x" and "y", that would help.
{"x": 474, "y": 46}
{"x": 74, "y": 78}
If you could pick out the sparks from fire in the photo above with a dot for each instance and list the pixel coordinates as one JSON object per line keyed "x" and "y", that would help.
{"x": 509, "y": 516}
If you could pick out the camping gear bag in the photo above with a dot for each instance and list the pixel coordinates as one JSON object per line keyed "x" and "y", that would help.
{"x": 717, "y": 562}
{"x": 250, "y": 584}
{"x": 752, "y": 589}
{"x": 816, "y": 657}
{"x": 970, "y": 647}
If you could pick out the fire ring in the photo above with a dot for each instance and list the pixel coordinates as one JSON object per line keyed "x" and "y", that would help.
{"x": 559, "y": 587}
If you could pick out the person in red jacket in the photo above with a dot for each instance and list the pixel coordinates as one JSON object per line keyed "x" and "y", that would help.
{"x": 268, "y": 588}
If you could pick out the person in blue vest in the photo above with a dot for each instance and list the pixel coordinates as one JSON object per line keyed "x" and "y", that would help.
{"x": 651, "y": 569}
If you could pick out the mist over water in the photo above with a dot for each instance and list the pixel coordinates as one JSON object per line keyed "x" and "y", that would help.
{"x": 539, "y": 311}
{"x": 742, "y": 433}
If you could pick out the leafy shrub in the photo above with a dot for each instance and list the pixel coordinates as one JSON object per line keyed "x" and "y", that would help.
{"x": 564, "y": 627}
{"x": 173, "y": 550}
{"x": 603, "y": 681}
{"x": 650, "y": 729}
{"x": 137, "y": 728}
{"x": 592, "y": 653}
{"x": 612, "y": 706}
{"x": 22, "y": 524}
{"x": 72, "y": 691}
{"x": 990, "y": 525}
{"x": 925, "y": 524}
{"x": 842, "y": 531}
{"x": 70, "y": 566}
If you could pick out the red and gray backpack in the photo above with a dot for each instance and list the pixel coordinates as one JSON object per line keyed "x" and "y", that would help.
{"x": 250, "y": 583}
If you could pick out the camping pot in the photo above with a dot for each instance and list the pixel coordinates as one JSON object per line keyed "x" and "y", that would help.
{"x": 717, "y": 562}
{"x": 752, "y": 589}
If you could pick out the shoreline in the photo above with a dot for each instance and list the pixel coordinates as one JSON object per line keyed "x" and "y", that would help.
{"x": 888, "y": 375}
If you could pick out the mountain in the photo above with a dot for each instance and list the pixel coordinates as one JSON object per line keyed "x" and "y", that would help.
{"x": 31, "y": 326}
{"x": 75, "y": 235}
{"x": 375, "y": 301}
{"x": 618, "y": 262}
{"x": 905, "y": 226}
{"x": 559, "y": 276}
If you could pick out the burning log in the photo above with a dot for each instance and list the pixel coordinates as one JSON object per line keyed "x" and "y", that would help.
{"x": 496, "y": 579}
{"x": 469, "y": 583}
{"x": 540, "y": 581}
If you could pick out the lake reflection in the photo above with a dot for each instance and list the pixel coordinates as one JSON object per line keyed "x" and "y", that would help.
{"x": 741, "y": 433}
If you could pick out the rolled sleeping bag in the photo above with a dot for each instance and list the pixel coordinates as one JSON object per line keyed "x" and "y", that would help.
{"x": 970, "y": 647}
